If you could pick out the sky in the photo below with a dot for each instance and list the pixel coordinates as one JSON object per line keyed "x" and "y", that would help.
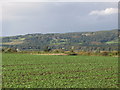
{"x": 19, "y": 18}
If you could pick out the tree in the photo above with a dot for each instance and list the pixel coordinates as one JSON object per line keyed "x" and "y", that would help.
{"x": 9, "y": 50}
{"x": 47, "y": 49}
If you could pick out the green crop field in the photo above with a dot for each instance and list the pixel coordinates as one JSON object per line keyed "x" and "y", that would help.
{"x": 47, "y": 71}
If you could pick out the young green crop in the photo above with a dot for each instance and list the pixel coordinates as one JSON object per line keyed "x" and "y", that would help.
{"x": 47, "y": 71}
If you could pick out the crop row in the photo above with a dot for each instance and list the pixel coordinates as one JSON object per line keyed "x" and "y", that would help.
{"x": 93, "y": 69}
{"x": 48, "y": 73}
{"x": 40, "y": 67}
{"x": 25, "y": 69}
{"x": 100, "y": 77}
{"x": 46, "y": 64}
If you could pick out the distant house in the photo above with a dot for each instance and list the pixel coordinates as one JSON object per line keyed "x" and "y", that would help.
{"x": 88, "y": 34}
{"x": 18, "y": 50}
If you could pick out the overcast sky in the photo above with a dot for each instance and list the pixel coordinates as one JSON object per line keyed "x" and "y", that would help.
{"x": 58, "y": 17}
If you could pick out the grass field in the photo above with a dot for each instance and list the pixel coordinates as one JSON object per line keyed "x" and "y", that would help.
{"x": 47, "y": 71}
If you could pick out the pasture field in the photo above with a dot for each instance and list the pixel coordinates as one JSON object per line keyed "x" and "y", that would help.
{"x": 48, "y": 71}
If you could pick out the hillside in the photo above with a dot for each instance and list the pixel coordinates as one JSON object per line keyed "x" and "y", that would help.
{"x": 100, "y": 40}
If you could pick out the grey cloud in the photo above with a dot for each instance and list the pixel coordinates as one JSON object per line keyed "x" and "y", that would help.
{"x": 57, "y": 18}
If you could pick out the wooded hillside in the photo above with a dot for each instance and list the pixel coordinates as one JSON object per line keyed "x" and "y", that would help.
{"x": 84, "y": 41}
